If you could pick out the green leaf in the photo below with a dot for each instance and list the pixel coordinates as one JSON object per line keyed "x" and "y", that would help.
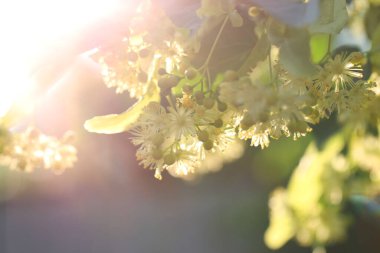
{"x": 308, "y": 175}
{"x": 260, "y": 72}
{"x": 282, "y": 226}
{"x": 195, "y": 82}
{"x": 295, "y": 53}
{"x": 289, "y": 208}
{"x": 333, "y": 17}
{"x": 375, "y": 2}
{"x": 371, "y": 20}
{"x": 117, "y": 123}
{"x": 218, "y": 80}
{"x": 319, "y": 46}
{"x": 258, "y": 53}
{"x": 231, "y": 49}
{"x": 375, "y": 50}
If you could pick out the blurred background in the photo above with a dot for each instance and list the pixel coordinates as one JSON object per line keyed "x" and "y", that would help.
{"x": 107, "y": 202}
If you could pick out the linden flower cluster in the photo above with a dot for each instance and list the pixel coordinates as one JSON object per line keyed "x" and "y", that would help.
{"x": 175, "y": 137}
{"x": 153, "y": 46}
{"x": 30, "y": 150}
{"x": 188, "y": 137}
{"x": 339, "y": 86}
{"x": 367, "y": 116}
{"x": 178, "y": 138}
{"x": 263, "y": 111}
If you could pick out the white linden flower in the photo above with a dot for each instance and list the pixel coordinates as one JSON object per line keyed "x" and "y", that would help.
{"x": 185, "y": 163}
{"x": 259, "y": 135}
{"x": 141, "y": 135}
{"x": 154, "y": 115}
{"x": 31, "y": 149}
{"x": 148, "y": 160}
{"x": 343, "y": 70}
{"x": 224, "y": 137}
{"x": 180, "y": 122}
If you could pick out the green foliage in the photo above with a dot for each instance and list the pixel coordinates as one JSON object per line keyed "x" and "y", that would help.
{"x": 281, "y": 167}
{"x": 375, "y": 2}
{"x": 258, "y": 53}
{"x": 295, "y": 53}
{"x": 282, "y": 226}
{"x": 319, "y": 46}
{"x": 375, "y": 50}
{"x": 296, "y": 208}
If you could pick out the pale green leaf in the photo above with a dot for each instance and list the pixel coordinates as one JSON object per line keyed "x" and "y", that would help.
{"x": 375, "y": 51}
{"x": 195, "y": 82}
{"x": 258, "y": 53}
{"x": 117, "y": 123}
{"x": 308, "y": 175}
{"x": 305, "y": 189}
{"x": 217, "y": 81}
{"x": 371, "y": 20}
{"x": 333, "y": 17}
{"x": 295, "y": 53}
{"x": 375, "y": 2}
{"x": 281, "y": 227}
{"x": 260, "y": 72}
{"x": 319, "y": 46}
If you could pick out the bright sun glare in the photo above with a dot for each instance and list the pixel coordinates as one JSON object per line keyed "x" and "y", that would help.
{"x": 30, "y": 27}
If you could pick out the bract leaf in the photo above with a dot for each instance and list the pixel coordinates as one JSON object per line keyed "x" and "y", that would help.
{"x": 117, "y": 123}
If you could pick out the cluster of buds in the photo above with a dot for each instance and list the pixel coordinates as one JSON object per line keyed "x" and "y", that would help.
{"x": 263, "y": 111}
{"x": 31, "y": 150}
{"x": 134, "y": 63}
{"x": 183, "y": 137}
